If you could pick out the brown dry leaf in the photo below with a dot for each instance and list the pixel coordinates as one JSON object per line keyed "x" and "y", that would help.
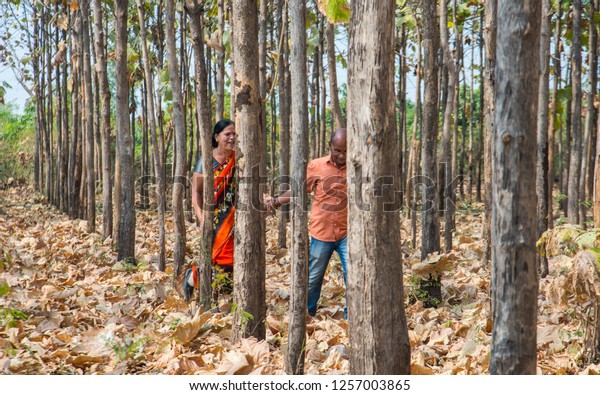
{"x": 434, "y": 263}
{"x": 234, "y": 362}
{"x": 420, "y": 369}
{"x": 186, "y": 332}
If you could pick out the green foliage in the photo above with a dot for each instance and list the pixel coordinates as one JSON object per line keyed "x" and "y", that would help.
{"x": 4, "y": 288}
{"x": 245, "y": 317}
{"x": 128, "y": 348}
{"x": 17, "y": 135}
{"x": 338, "y": 11}
{"x": 9, "y": 317}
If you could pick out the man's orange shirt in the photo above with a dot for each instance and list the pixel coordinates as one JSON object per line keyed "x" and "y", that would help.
{"x": 329, "y": 217}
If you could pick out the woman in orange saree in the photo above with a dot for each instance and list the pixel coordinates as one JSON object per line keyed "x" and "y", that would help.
{"x": 223, "y": 142}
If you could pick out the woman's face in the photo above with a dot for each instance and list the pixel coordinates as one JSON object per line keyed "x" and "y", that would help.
{"x": 226, "y": 139}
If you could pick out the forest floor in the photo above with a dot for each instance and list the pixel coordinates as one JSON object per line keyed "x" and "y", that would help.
{"x": 68, "y": 307}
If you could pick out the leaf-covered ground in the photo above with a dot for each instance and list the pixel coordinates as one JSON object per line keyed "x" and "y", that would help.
{"x": 68, "y": 307}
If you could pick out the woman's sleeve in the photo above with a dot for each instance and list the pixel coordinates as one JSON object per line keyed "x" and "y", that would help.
{"x": 198, "y": 167}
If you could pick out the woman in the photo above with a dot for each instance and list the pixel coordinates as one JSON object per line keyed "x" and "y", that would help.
{"x": 223, "y": 142}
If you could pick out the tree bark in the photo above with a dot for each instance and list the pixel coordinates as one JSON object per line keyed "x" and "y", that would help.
{"x": 157, "y": 154}
{"x": 89, "y": 119}
{"x": 575, "y": 164}
{"x": 552, "y": 117}
{"x": 101, "y": 67}
{"x": 542, "y": 182}
{"x": 126, "y": 246}
{"x": 378, "y": 333}
{"x": 336, "y": 110}
{"x": 294, "y": 363}
{"x": 590, "y": 119}
{"x": 194, "y": 9}
{"x": 488, "y": 98}
{"x": 249, "y": 276}
{"x": 430, "y": 223}
{"x": 180, "y": 141}
{"x": 514, "y": 279}
{"x": 445, "y": 174}
{"x": 284, "y": 123}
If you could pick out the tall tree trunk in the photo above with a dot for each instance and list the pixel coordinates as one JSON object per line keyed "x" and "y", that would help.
{"x": 126, "y": 246}
{"x": 593, "y": 80}
{"x": 194, "y": 10}
{"x": 552, "y": 117}
{"x": 157, "y": 154}
{"x": 445, "y": 174}
{"x": 74, "y": 181}
{"x": 542, "y": 181}
{"x": 590, "y": 120}
{"x": 490, "y": 127}
{"x": 89, "y": 118}
{"x": 336, "y": 110}
{"x": 514, "y": 278}
{"x": 49, "y": 113}
{"x": 575, "y": 164}
{"x": 220, "y": 83}
{"x": 482, "y": 112}
{"x": 430, "y": 223}
{"x": 294, "y": 363}
{"x": 378, "y": 333}
{"x": 284, "y": 125}
{"x": 180, "y": 143}
{"x": 249, "y": 276}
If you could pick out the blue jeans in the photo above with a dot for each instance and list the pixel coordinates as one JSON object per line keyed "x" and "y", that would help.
{"x": 320, "y": 255}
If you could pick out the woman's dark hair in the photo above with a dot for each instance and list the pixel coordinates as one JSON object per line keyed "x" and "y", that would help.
{"x": 219, "y": 126}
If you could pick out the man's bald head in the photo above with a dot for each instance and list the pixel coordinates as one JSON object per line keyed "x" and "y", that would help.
{"x": 337, "y": 145}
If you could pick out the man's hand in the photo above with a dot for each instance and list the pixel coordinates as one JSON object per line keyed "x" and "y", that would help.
{"x": 271, "y": 203}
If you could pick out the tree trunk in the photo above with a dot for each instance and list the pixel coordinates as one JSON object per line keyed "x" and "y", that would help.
{"x": 575, "y": 164}
{"x": 445, "y": 174}
{"x": 220, "y": 83}
{"x": 552, "y": 117}
{"x": 89, "y": 119}
{"x": 488, "y": 98}
{"x": 126, "y": 246}
{"x": 157, "y": 154}
{"x": 294, "y": 363}
{"x": 284, "y": 124}
{"x": 542, "y": 181}
{"x": 514, "y": 279}
{"x": 336, "y": 110}
{"x": 194, "y": 9}
{"x": 590, "y": 119}
{"x": 430, "y": 223}
{"x": 249, "y": 277}
{"x": 180, "y": 141}
{"x": 378, "y": 332}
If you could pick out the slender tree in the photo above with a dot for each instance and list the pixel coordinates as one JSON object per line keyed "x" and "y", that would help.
{"x": 430, "y": 223}
{"x": 294, "y": 363}
{"x": 194, "y": 10}
{"x": 514, "y": 278}
{"x": 180, "y": 143}
{"x": 101, "y": 70}
{"x": 576, "y": 154}
{"x": 488, "y": 104}
{"x": 126, "y": 243}
{"x": 336, "y": 110}
{"x": 542, "y": 130}
{"x": 89, "y": 118}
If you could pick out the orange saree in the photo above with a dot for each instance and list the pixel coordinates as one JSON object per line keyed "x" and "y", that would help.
{"x": 224, "y": 214}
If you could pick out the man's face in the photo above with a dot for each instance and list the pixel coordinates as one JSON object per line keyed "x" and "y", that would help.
{"x": 338, "y": 152}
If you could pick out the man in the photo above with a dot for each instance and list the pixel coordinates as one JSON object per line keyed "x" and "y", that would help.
{"x": 326, "y": 177}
